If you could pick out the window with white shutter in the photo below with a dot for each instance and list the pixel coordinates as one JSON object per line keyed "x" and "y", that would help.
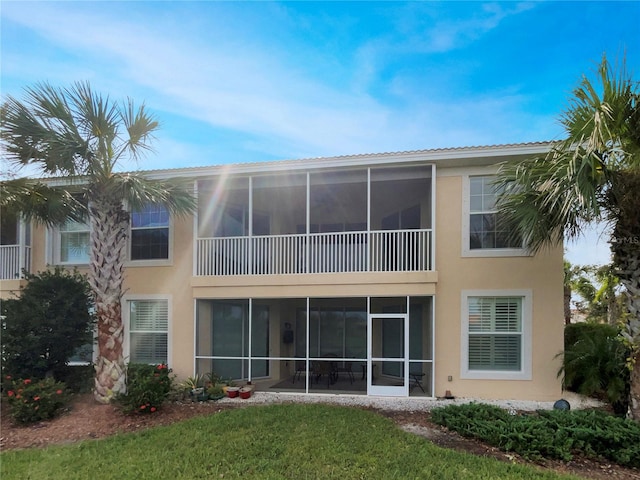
{"x": 496, "y": 335}
{"x": 148, "y": 331}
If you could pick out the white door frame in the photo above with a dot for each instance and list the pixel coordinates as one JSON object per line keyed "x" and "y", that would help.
{"x": 384, "y": 390}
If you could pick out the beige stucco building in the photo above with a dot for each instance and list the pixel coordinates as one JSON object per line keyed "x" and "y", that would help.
{"x": 378, "y": 274}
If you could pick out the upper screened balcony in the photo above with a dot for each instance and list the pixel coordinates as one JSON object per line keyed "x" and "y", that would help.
{"x": 362, "y": 220}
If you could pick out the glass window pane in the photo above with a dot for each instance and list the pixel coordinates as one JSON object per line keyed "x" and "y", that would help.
{"x": 475, "y": 203}
{"x": 8, "y": 228}
{"x": 150, "y": 216}
{"x": 149, "y": 315}
{"x": 476, "y": 185}
{"x": 147, "y": 244}
{"x": 74, "y": 247}
{"x": 148, "y": 347}
{"x": 490, "y": 348}
{"x": 491, "y": 352}
{"x": 485, "y": 228}
{"x": 488, "y": 202}
{"x": 148, "y": 325}
{"x": 150, "y": 233}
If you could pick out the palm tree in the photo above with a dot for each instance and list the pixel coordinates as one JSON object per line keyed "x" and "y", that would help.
{"x": 77, "y": 134}
{"x": 607, "y": 302}
{"x": 576, "y": 280}
{"x": 592, "y": 175}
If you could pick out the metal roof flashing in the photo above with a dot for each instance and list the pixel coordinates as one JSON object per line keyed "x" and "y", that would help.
{"x": 443, "y": 157}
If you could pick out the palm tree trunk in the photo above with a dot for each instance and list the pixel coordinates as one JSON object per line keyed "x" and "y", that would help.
{"x": 109, "y": 230}
{"x": 632, "y": 285}
{"x": 634, "y": 394}
{"x": 567, "y": 304}
{"x": 625, "y": 246}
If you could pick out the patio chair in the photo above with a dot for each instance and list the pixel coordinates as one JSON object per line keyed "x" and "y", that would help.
{"x": 346, "y": 368}
{"x": 301, "y": 367}
{"x": 320, "y": 368}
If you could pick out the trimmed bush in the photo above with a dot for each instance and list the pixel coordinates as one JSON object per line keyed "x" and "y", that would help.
{"x": 44, "y": 326}
{"x": 32, "y": 401}
{"x": 148, "y": 387}
{"x": 547, "y": 434}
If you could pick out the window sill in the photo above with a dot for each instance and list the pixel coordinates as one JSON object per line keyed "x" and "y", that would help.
{"x": 494, "y": 375}
{"x": 496, "y": 252}
{"x": 149, "y": 263}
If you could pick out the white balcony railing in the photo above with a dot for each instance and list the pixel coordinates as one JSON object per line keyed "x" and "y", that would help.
{"x": 14, "y": 258}
{"x": 380, "y": 251}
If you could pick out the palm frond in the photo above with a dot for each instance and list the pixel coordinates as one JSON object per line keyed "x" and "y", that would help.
{"x": 42, "y": 132}
{"x": 41, "y": 203}
{"x": 557, "y": 195}
{"x": 175, "y": 194}
{"x": 140, "y": 126}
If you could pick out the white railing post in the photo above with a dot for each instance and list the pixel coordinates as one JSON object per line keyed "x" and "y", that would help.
{"x": 22, "y": 243}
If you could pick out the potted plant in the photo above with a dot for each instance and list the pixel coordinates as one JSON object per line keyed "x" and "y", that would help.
{"x": 245, "y": 392}
{"x": 215, "y": 392}
{"x": 233, "y": 390}
{"x": 213, "y": 379}
{"x": 194, "y": 386}
{"x": 226, "y": 384}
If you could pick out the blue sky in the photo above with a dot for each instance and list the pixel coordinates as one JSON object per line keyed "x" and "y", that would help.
{"x": 253, "y": 81}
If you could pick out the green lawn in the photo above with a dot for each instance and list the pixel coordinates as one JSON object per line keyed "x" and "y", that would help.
{"x": 272, "y": 442}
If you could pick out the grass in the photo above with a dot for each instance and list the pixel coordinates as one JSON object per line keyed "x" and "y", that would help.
{"x": 271, "y": 442}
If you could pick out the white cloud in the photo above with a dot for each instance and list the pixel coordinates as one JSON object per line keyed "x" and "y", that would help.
{"x": 245, "y": 86}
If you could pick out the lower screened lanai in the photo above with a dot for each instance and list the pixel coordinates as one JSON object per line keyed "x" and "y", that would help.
{"x": 360, "y": 345}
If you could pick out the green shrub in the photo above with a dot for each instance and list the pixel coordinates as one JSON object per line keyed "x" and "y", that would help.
{"x": 78, "y": 378}
{"x": 594, "y": 363}
{"x": 32, "y": 401}
{"x": 548, "y": 434}
{"x": 215, "y": 391}
{"x": 44, "y": 326}
{"x": 148, "y": 387}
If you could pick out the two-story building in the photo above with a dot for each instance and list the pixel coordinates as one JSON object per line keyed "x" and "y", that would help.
{"x": 376, "y": 274}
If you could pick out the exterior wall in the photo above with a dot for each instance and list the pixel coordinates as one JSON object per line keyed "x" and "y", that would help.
{"x": 10, "y": 288}
{"x": 172, "y": 281}
{"x": 454, "y": 273}
{"x": 543, "y": 274}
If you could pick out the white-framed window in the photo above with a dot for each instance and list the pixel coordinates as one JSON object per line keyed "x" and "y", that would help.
{"x": 71, "y": 243}
{"x": 496, "y": 334}
{"x": 150, "y": 234}
{"x": 147, "y": 329}
{"x": 483, "y": 235}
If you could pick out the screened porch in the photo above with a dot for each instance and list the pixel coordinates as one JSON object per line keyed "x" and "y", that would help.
{"x": 364, "y": 220}
{"x": 370, "y": 345}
